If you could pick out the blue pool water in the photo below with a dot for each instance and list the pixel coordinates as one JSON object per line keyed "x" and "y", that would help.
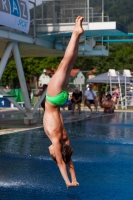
{"x": 103, "y": 158}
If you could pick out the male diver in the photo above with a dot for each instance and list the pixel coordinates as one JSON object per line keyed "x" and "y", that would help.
{"x": 56, "y": 96}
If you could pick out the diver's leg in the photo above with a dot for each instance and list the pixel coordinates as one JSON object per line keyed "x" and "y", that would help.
{"x": 60, "y": 79}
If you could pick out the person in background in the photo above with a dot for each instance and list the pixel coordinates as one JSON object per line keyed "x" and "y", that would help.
{"x": 108, "y": 104}
{"x": 115, "y": 96}
{"x": 44, "y": 87}
{"x": 90, "y": 97}
{"x": 7, "y": 87}
{"x": 76, "y": 100}
{"x": 56, "y": 96}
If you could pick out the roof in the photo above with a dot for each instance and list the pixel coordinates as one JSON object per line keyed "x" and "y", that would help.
{"x": 50, "y": 72}
{"x": 104, "y": 78}
{"x": 74, "y": 72}
{"x": 92, "y": 71}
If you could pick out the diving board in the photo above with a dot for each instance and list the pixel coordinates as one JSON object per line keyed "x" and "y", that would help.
{"x": 93, "y": 29}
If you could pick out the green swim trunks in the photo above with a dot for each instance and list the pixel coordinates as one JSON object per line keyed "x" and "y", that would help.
{"x": 58, "y": 100}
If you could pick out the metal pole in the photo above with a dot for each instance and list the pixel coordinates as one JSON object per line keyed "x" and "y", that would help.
{"x": 54, "y": 17}
{"x": 110, "y": 85}
{"x": 88, "y": 12}
{"x": 92, "y": 15}
{"x": 35, "y": 19}
{"x": 125, "y": 94}
{"x": 42, "y": 12}
{"x": 102, "y": 10}
{"x": 122, "y": 106}
{"x": 22, "y": 80}
{"x": 5, "y": 58}
{"x": 39, "y": 102}
{"x": 102, "y": 43}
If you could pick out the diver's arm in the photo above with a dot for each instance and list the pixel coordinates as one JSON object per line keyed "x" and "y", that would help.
{"x": 72, "y": 173}
{"x": 61, "y": 164}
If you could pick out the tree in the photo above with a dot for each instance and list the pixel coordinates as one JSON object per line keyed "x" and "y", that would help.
{"x": 120, "y": 57}
{"x": 10, "y": 76}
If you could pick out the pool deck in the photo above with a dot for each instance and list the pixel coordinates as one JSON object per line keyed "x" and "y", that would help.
{"x": 12, "y": 120}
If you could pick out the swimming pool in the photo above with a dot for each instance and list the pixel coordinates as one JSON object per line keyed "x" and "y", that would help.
{"x": 103, "y": 158}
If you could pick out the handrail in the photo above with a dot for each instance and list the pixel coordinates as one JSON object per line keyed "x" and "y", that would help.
{"x": 66, "y": 18}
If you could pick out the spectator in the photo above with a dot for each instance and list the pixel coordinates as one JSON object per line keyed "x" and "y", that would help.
{"x": 108, "y": 104}
{"x": 90, "y": 97}
{"x": 115, "y": 96}
{"x": 44, "y": 87}
{"x": 76, "y": 100}
{"x": 7, "y": 87}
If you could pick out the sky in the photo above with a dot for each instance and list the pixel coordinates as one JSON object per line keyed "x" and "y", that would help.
{"x": 37, "y": 2}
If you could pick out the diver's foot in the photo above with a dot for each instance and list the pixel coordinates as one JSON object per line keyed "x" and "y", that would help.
{"x": 78, "y": 25}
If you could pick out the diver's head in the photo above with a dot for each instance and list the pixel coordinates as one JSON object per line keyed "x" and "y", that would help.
{"x": 66, "y": 152}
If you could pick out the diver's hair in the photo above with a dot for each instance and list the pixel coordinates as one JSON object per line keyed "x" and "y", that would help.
{"x": 66, "y": 152}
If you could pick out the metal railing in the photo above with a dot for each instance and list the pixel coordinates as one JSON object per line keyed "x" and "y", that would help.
{"x": 64, "y": 12}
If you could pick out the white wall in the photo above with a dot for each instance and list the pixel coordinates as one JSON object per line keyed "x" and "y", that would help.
{"x": 44, "y": 79}
{"x": 80, "y": 79}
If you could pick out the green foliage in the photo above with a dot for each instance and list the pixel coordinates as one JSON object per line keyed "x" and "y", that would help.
{"x": 33, "y": 67}
{"x": 10, "y": 75}
{"x": 120, "y": 57}
{"x": 117, "y": 10}
{"x": 50, "y": 62}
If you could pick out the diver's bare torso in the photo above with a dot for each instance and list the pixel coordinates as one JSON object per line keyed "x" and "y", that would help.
{"x": 53, "y": 122}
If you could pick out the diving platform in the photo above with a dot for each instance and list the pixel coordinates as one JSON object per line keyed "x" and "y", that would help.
{"x": 49, "y": 40}
{"x": 92, "y": 29}
{"x": 60, "y": 34}
{"x": 29, "y": 46}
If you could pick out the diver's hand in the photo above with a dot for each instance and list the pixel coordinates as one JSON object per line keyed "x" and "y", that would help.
{"x": 73, "y": 184}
